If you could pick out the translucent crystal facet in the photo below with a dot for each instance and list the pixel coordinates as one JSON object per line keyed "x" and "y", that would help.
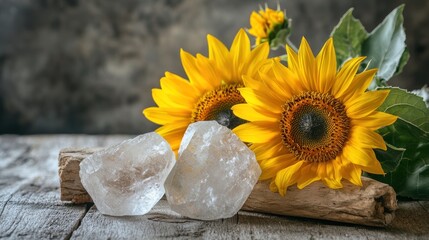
{"x": 128, "y": 179}
{"x": 214, "y": 175}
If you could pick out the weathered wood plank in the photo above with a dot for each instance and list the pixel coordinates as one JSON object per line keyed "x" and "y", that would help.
{"x": 412, "y": 219}
{"x": 161, "y": 222}
{"x": 425, "y": 205}
{"x": 35, "y": 212}
{"x": 30, "y": 207}
{"x": 11, "y": 154}
{"x": 260, "y": 226}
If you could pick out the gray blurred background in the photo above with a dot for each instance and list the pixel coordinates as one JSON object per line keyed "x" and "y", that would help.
{"x": 72, "y": 66}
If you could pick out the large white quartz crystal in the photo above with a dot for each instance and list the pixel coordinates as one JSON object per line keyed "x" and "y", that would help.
{"x": 128, "y": 179}
{"x": 214, "y": 174}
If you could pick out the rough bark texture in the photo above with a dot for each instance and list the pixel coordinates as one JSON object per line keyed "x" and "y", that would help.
{"x": 374, "y": 204}
{"x": 68, "y": 169}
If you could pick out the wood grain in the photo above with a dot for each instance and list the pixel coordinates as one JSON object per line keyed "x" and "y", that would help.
{"x": 71, "y": 188}
{"x": 30, "y": 207}
{"x": 374, "y": 204}
{"x": 163, "y": 223}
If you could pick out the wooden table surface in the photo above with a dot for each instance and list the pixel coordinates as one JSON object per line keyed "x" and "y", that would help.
{"x": 30, "y": 207}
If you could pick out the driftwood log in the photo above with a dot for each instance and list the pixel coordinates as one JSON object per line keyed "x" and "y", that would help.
{"x": 373, "y": 204}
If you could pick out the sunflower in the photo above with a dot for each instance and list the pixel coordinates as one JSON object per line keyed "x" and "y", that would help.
{"x": 266, "y": 23}
{"x": 211, "y": 90}
{"x": 310, "y": 122}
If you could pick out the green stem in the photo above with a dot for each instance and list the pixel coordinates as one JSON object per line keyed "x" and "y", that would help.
{"x": 288, "y": 42}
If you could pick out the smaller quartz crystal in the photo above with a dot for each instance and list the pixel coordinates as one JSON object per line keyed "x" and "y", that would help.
{"x": 128, "y": 179}
{"x": 214, "y": 175}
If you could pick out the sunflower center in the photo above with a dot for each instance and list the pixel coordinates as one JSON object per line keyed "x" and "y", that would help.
{"x": 311, "y": 124}
{"x": 314, "y": 126}
{"x": 216, "y": 105}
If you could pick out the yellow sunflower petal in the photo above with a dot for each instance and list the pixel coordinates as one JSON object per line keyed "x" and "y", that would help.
{"x": 208, "y": 72}
{"x": 173, "y": 137}
{"x": 177, "y": 84}
{"x": 292, "y": 59}
{"x": 321, "y": 170}
{"x": 363, "y": 157}
{"x": 246, "y": 112}
{"x": 286, "y": 80}
{"x": 352, "y": 173}
{"x": 307, "y": 65}
{"x": 172, "y": 128}
{"x": 337, "y": 166}
{"x": 173, "y": 85}
{"x": 240, "y": 50}
{"x": 192, "y": 71}
{"x": 273, "y": 86}
{"x": 286, "y": 159}
{"x": 327, "y": 67}
{"x": 260, "y": 52}
{"x": 330, "y": 173}
{"x": 376, "y": 169}
{"x": 253, "y": 83}
{"x": 256, "y": 132}
{"x": 271, "y": 166}
{"x": 257, "y": 22}
{"x": 360, "y": 83}
{"x": 217, "y": 51}
{"x": 287, "y": 177}
{"x": 345, "y": 77}
{"x": 174, "y": 100}
{"x": 366, "y": 103}
{"x": 366, "y": 138}
{"x": 308, "y": 175}
{"x": 326, "y": 172}
{"x": 164, "y": 116}
{"x": 332, "y": 183}
{"x": 162, "y": 101}
{"x": 375, "y": 121}
{"x": 268, "y": 150}
{"x": 261, "y": 99}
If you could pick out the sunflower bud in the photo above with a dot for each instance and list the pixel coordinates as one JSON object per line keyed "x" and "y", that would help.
{"x": 269, "y": 25}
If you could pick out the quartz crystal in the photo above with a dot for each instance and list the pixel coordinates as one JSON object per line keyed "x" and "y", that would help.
{"x": 214, "y": 175}
{"x": 128, "y": 179}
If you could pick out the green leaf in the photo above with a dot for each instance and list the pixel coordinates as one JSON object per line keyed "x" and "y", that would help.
{"x": 391, "y": 158}
{"x": 348, "y": 35}
{"x": 409, "y": 107}
{"x": 404, "y": 60}
{"x": 279, "y": 38}
{"x": 409, "y": 176}
{"x": 385, "y": 45}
